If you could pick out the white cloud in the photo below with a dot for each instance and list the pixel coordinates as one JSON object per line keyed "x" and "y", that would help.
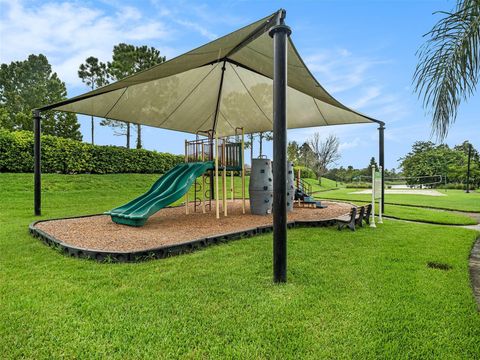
{"x": 68, "y": 32}
{"x": 371, "y": 93}
{"x": 350, "y": 144}
{"x": 355, "y": 80}
{"x": 339, "y": 70}
{"x": 197, "y": 27}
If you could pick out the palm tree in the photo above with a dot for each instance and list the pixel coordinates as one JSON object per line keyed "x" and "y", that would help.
{"x": 449, "y": 66}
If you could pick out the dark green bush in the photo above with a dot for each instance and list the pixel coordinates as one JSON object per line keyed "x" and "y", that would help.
{"x": 68, "y": 156}
{"x": 305, "y": 172}
{"x": 455, "y": 186}
{"x": 358, "y": 185}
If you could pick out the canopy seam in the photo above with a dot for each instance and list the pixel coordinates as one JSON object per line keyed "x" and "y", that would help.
{"x": 248, "y": 92}
{"x": 116, "y": 102}
{"x": 228, "y": 122}
{"x": 203, "y": 123}
{"x": 321, "y": 114}
{"x": 186, "y": 97}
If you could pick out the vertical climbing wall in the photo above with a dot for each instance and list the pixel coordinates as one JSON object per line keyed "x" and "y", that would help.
{"x": 290, "y": 187}
{"x": 261, "y": 187}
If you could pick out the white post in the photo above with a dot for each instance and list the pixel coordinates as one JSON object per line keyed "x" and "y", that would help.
{"x": 372, "y": 221}
{"x": 380, "y": 221}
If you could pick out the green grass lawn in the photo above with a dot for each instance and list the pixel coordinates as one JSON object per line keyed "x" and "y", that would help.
{"x": 424, "y": 215}
{"x": 427, "y": 215}
{"x": 367, "y": 294}
{"x": 326, "y": 184}
{"x": 455, "y": 199}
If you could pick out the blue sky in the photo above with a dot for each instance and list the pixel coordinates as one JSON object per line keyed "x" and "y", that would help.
{"x": 362, "y": 52}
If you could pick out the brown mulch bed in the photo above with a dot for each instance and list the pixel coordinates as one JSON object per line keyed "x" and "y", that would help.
{"x": 170, "y": 226}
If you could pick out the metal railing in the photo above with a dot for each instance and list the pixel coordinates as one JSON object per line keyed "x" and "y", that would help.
{"x": 303, "y": 186}
{"x": 199, "y": 150}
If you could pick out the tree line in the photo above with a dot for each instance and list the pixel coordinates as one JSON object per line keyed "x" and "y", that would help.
{"x": 425, "y": 160}
{"x": 428, "y": 159}
{"x": 31, "y": 83}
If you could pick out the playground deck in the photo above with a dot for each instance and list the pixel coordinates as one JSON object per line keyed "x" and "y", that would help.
{"x": 168, "y": 227}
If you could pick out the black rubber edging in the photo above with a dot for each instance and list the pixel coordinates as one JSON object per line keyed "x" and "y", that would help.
{"x": 474, "y": 270}
{"x": 162, "y": 251}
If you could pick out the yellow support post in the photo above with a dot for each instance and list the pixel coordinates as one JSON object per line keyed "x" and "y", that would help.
{"x": 203, "y": 181}
{"x": 224, "y": 177}
{"x": 217, "y": 204}
{"x": 243, "y": 171}
{"x": 186, "y": 160}
{"x": 232, "y": 186}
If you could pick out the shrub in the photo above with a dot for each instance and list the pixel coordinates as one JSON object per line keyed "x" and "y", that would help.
{"x": 66, "y": 156}
{"x": 358, "y": 185}
{"x": 305, "y": 172}
{"x": 455, "y": 186}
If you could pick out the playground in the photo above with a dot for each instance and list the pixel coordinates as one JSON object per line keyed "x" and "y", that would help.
{"x": 172, "y": 226}
{"x": 148, "y": 226}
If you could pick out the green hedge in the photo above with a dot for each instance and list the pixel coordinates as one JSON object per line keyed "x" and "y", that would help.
{"x": 68, "y": 156}
{"x": 455, "y": 186}
{"x": 358, "y": 185}
{"x": 305, "y": 172}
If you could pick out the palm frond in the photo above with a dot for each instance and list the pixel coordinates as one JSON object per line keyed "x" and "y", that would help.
{"x": 449, "y": 64}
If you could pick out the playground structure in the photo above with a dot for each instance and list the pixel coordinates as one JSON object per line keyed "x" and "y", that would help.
{"x": 208, "y": 158}
{"x": 205, "y": 158}
{"x": 304, "y": 195}
{"x": 227, "y": 157}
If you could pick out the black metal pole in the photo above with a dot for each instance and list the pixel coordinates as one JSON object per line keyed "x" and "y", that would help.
{"x": 214, "y": 128}
{"x": 37, "y": 171}
{"x": 468, "y": 167}
{"x": 381, "y": 143}
{"x": 280, "y": 33}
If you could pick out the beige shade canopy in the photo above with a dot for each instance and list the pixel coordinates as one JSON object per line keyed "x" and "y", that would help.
{"x": 223, "y": 85}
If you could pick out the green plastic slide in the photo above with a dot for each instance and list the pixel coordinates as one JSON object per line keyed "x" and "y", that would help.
{"x": 169, "y": 188}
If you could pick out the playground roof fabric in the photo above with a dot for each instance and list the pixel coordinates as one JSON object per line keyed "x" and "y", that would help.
{"x": 184, "y": 93}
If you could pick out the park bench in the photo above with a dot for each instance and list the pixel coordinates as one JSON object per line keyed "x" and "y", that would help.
{"x": 347, "y": 220}
{"x": 355, "y": 217}
{"x": 360, "y": 216}
{"x": 368, "y": 213}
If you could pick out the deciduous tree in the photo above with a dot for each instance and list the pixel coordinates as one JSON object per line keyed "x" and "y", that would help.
{"x": 326, "y": 152}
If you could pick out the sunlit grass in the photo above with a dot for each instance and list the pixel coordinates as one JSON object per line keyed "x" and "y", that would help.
{"x": 367, "y": 294}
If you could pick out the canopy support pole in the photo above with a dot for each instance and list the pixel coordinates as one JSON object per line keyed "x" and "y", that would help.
{"x": 280, "y": 33}
{"x": 219, "y": 97}
{"x": 37, "y": 167}
{"x": 381, "y": 143}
